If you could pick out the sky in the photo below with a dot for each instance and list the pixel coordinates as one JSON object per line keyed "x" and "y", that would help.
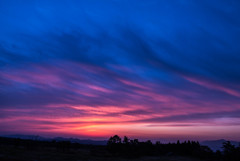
{"x": 147, "y": 69}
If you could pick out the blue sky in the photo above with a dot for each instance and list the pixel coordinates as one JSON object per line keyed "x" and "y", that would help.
{"x": 130, "y": 63}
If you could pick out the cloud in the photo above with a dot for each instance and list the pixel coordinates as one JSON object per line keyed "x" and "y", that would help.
{"x": 199, "y": 117}
{"x": 163, "y": 62}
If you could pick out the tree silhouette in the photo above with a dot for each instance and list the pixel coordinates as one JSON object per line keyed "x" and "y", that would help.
{"x": 231, "y": 153}
{"x": 136, "y": 148}
{"x": 228, "y": 148}
{"x": 125, "y": 140}
{"x": 114, "y": 140}
{"x": 135, "y": 142}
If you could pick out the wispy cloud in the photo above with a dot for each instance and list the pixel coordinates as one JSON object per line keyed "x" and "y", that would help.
{"x": 160, "y": 64}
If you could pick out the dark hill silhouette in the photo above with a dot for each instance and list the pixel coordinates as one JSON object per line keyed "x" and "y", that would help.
{"x": 72, "y": 140}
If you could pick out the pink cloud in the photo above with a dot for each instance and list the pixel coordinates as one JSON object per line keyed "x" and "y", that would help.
{"x": 214, "y": 86}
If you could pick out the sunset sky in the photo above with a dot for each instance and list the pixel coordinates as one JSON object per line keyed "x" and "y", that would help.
{"x": 148, "y": 69}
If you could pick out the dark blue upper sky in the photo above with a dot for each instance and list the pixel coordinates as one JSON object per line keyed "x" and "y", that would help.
{"x": 161, "y": 60}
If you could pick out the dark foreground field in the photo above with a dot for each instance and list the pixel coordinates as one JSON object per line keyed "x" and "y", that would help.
{"x": 29, "y": 150}
{"x": 11, "y": 153}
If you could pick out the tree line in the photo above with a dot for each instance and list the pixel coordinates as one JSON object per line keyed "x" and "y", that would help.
{"x": 135, "y": 148}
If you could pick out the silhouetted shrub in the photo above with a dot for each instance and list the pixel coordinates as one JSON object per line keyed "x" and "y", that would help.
{"x": 230, "y": 152}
